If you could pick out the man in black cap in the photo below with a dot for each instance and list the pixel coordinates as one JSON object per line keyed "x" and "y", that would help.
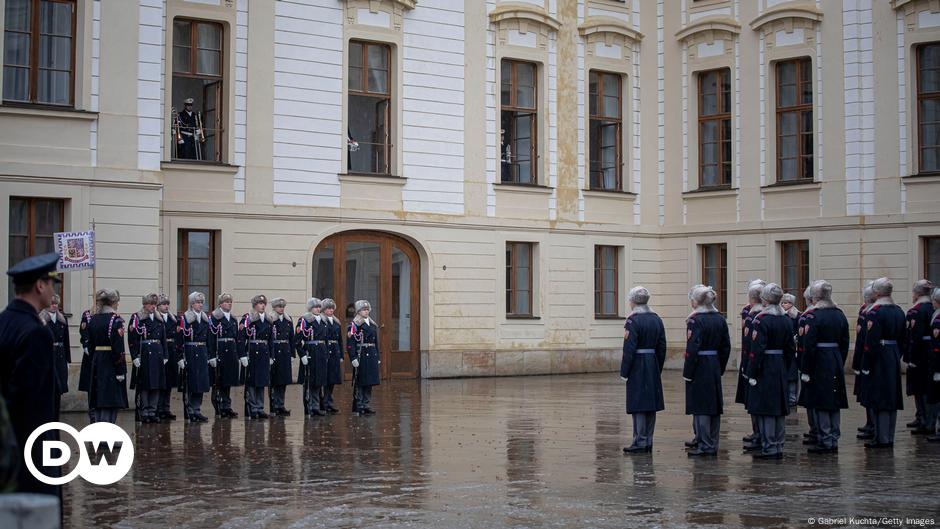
{"x": 27, "y": 364}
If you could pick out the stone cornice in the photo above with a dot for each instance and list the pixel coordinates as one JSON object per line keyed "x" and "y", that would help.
{"x": 524, "y": 12}
{"x": 798, "y": 11}
{"x": 725, "y": 24}
{"x": 595, "y": 25}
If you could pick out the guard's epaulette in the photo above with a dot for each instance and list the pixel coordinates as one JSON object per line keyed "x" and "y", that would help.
{"x": 873, "y": 308}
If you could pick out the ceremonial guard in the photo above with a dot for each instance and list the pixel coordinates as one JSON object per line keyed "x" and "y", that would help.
{"x": 933, "y": 395}
{"x": 707, "y": 350}
{"x": 771, "y": 349}
{"x": 334, "y": 346}
{"x": 194, "y": 365}
{"x": 822, "y": 366}
{"x": 84, "y": 373}
{"x": 919, "y": 376}
{"x": 752, "y": 309}
{"x": 644, "y": 354}
{"x": 311, "y": 346}
{"x": 866, "y": 431}
{"x": 793, "y": 376}
{"x": 188, "y": 128}
{"x": 171, "y": 329}
{"x": 282, "y": 352}
{"x": 256, "y": 327}
{"x": 224, "y": 351}
{"x": 28, "y": 381}
{"x": 362, "y": 345}
{"x": 147, "y": 343}
{"x": 885, "y": 344}
{"x": 55, "y": 320}
{"x": 811, "y": 437}
{"x": 108, "y": 390}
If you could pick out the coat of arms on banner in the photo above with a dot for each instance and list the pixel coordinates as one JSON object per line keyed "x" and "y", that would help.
{"x": 76, "y": 250}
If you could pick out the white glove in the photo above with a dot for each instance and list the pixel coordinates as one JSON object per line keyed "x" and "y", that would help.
{"x": 355, "y": 362}
{"x": 244, "y": 361}
{"x": 752, "y": 381}
{"x": 936, "y": 377}
{"x": 182, "y": 364}
{"x": 804, "y": 377}
{"x": 165, "y": 360}
{"x": 865, "y": 372}
{"x": 120, "y": 378}
{"x": 85, "y": 349}
{"x": 270, "y": 361}
{"x": 625, "y": 379}
{"x": 304, "y": 359}
{"x": 857, "y": 372}
{"x": 687, "y": 379}
{"x": 910, "y": 365}
{"x": 213, "y": 362}
{"x": 137, "y": 362}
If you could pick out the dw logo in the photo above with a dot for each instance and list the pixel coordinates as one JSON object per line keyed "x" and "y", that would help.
{"x": 105, "y": 453}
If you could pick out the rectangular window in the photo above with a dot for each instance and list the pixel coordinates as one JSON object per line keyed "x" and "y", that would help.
{"x": 519, "y": 278}
{"x": 606, "y": 126}
{"x": 195, "y": 270}
{"x": 932, "y": 259}
{"x": 606, "y": 278}
{"x": 369, "y": 139}
{"x": 33, "y": 221}
{"x": 518, "y": 122}
{"x": 794, "y": 266}
{"x": 39, "y": 52}
{"x": 715, "y": 272}
{"x": 714, "y": 128}
{"x": 928, "y": 108}
{"x": 197, "y": 111}
{"x": 794, "y": 120}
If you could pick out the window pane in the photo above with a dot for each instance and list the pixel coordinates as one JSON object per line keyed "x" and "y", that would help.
{"x": 788, "y": 123}
{"x": 929, "y": 160}
{"x": 208, "y": 62}
{"x": 182, "y": 59}
{"x": 198, "y": 271}
{"x": 709, "y": 175}
{"x": 525, "y": 89}
{"x": 55, "y": 52}
{"x": 787, "y": 169}
{"x": 198, "y": 247}
{"x": 378, "y": 81}
{"x": 612, "y": 107}
{"x": 53, "y": 87}
{"x": 182, "y": 33}
{"x": 609, "y": 303}
{"x": 709, "y": 131}
{"x": 15, "y": 84}
{"x": 612, "y": 96}
{"x": 48, "y": 218}
{"x": 786, "y": 81}
{"x": 505, "y": 83}
{"x": 929, "y": 64}
{"x": 209, "y": 36}
{"x": 16, "y": 49}
{"x": 592, "y": 93}
{"x": 787, "y": 147}
{"x": 19, "y": 216}
{"x": 522, "y": 302}
{"x": 16, "y": 15}
{"x": 367, "y": 126}
{"x": 806, "y": 80}
{"x": 725, "y": 91}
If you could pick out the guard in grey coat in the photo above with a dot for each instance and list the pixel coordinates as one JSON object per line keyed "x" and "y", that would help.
{"x": 644, "y": 354}
{"x": 107, "y": 392}
{"x": 866, "y": 431}
{"x": 256, "y": 364}
{"x": 917, "y": 357}
{"x": 334, "y": 347}
{"x": 310, "y": 339}
{"x": 225, "y": 347}
{"x": 755, "y": 305}
{"x": 282, "y": 353}
{"x": 146, "y": 340}
{"x": 194, "y": 365}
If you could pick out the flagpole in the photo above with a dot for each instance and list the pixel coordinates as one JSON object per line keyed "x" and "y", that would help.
{"x": 94, "y": 269}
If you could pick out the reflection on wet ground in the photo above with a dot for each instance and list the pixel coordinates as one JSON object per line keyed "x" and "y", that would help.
{"x": 494, "y": 452}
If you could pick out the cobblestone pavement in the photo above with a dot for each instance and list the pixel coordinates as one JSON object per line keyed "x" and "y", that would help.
{"x": 496, "y": 452}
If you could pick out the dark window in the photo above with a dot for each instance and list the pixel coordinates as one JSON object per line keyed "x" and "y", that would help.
{"x": 518, "y": 122}
{"x": 39, "y": 52}
{"x": 606, "y": 130}
{"x": 714, "y": 128}
{"x": 794, "y": 264}
{"x": 928, "y": 107}
{"x": 197, "y": 75}
{"x": 33, "y": 221}
{"x": 715, "y": 272}
{"x": 519, "y": 278}
{"x": 932, "y": 259}
{"x": 370, "y": 100}
{"x": 195, "y": 270}
{"x": 794, "y": 120}
{"x": 605, "y": 281}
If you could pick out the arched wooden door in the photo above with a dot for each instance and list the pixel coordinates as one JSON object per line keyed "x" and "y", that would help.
{"x": 383, "y": 269}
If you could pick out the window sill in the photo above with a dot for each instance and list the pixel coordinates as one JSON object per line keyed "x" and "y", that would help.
{"x": 922, "y": 178}
{"x": 609, "y": 193}
{"x": 609, "y": 318}
{"x": 208, "y": 167}
{"x": 47, "y": 112}
{"x": 524, "y": 188}
{"x": 519, "y": 317}
{"x": 368, "y": 178}
{"x": 716, "y": 191}
{"x": 796, "y": 185}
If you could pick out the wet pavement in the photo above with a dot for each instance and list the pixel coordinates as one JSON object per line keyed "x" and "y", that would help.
{"x": 495, "y": 452}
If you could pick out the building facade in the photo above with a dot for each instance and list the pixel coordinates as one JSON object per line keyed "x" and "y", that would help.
{"x": 493, "y": 175}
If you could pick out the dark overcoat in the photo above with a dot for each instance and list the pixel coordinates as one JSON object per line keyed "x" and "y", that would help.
{"x": 707, "y": 350}
{"x": 644, "y": 354}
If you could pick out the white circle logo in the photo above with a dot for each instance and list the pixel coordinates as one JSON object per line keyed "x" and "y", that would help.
{"x": 105, "y": 452}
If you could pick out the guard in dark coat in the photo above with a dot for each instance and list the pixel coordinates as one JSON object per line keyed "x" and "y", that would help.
{"x": 866, "y": 431}
{"x": 224, "y": 351}
{"x": 822, "y": 364}
{"x": 933, "y": 395}
{"x": 146, "y": 340}
{"x": 771, "y": 350}
{"x": 310, "y": 339}
{"x": 171, "y": 329}
{"x": 334, "y": 347}
{"x": 108, "y": 391}
{"x": 644, "y": 354}
{"x": 917, "y": 355}
{"x": 362, "y": 345}
{"x": 885, "y": 344}
{"x": 28, "y": 380}
{"x": 753, "y": 308}
{"x": 59, "y": 325}
{"x": 282, "y": 353}
{"x": 812, "y": 436}
{"x": 707, "y": 351}
{"x": 793, "y": 376}
{"x": 256, "y": 327}
{"x": 194, "y": 364}
{"x": 189, "y": 148}
{"x": 84, "y": 373}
